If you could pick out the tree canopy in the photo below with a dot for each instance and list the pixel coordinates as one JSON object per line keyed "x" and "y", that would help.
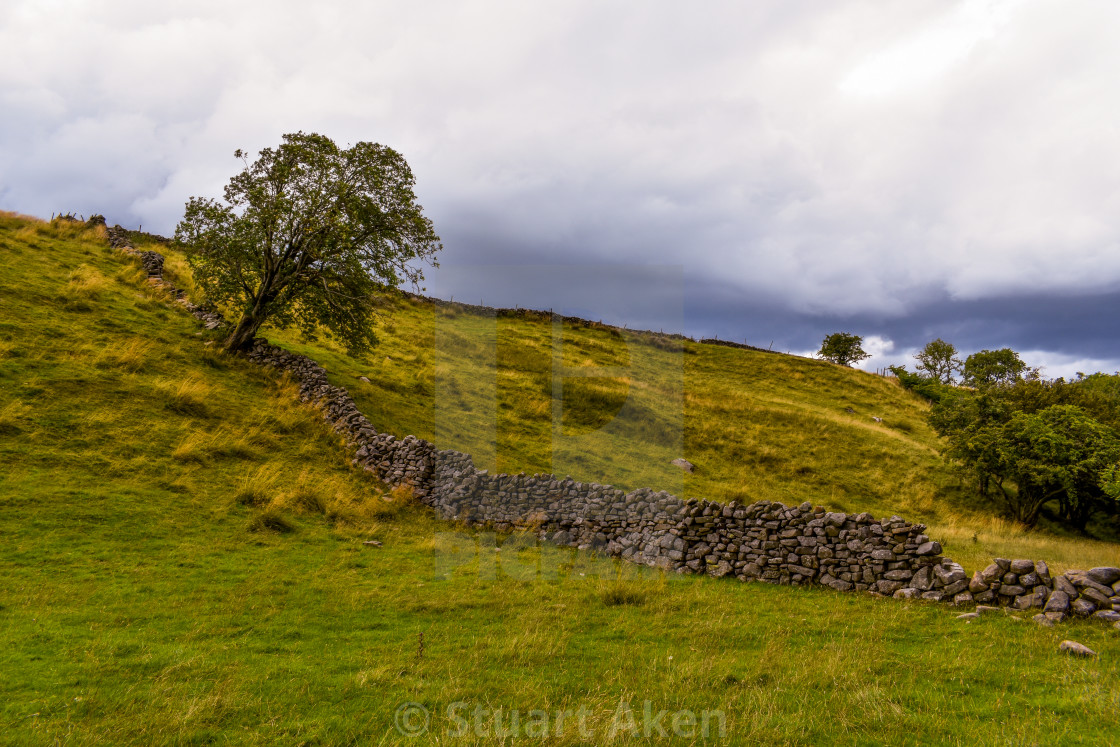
{"x": 843, "y": 348}
{"x": 1035, "y": 442}
{"x": 938, "y": 360}
{"x": 992, "y": 368}
{"x": 307, "y": 234}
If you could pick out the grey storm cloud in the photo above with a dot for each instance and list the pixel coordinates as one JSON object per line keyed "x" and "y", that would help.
{"x": 906, "y": 170}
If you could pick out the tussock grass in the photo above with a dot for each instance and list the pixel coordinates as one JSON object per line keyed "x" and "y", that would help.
{"x": 186, "y": 397}
{"x": 84, "y": 287}
{"x": 624, "y": 594}
{"x": 177, "y": 271}
{"x": 258, "y": 487}
{"x": 200, "y": 447}
{"x": 127, "y": 354}
{"x": 270, "y": 520}
{"x": 13, "y": 418}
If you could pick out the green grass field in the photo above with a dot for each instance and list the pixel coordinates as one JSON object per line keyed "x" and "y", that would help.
{"x": 182, "y": 555}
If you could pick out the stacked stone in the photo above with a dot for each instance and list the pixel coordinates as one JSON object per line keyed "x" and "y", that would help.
{"x": 764, "y": 541}
{"x": 152, "y": 261}
{"x": 1092, "y": 593}
{"x": 396, "y": 462}
{"x": 1020, "y": 584}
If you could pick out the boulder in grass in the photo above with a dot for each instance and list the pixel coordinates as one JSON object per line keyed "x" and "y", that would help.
{"x": 1073, "y": 648}
{"x": 1107, "y": 615}
{"x": 1043, "y": 620}
{"x": 684, "y": 464}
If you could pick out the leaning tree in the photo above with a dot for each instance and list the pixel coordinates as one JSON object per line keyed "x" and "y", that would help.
{"x": 305, "y": 237}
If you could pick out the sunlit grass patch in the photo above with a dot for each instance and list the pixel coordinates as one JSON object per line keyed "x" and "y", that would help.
{"x": 85, "y": 286}
{"x": 126, "y": 354}
{"x": 200, "y": 447}
{"x": 186, "y": 397}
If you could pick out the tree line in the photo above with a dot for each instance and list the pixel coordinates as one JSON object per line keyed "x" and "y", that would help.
{"x": 1032, "y": 443}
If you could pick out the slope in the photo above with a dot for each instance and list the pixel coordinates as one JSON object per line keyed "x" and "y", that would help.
{"x": 182, "y": 562}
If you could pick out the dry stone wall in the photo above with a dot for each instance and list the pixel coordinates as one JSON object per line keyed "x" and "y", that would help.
{"x": 764, "y": 541}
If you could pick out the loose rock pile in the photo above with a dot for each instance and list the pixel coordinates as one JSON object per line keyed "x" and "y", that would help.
{"x": 764, "y": 541}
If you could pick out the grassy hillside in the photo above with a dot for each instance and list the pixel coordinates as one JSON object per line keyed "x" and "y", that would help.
{"x": 182, "y": 562}
{"x": 625, "y": 404}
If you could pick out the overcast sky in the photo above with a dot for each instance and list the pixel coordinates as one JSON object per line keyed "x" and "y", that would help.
{"x": 769, "y": 171}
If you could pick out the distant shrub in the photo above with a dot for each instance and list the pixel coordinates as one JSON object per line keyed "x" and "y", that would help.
{"x": 927, "y": 386}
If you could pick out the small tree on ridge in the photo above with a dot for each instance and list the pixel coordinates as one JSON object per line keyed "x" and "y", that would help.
{"x": 938, "y": 360}
{"x": 843, "y": 348}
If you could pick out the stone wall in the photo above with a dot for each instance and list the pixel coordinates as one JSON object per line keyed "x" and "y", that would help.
{"x": 763, "y": 541}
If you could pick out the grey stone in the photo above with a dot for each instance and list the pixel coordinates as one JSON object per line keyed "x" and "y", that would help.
{"x": 1022, "y": 566}
{"x": 928, "y": 548}
{"x": 1095, "y": 597}
{"x": 1062, "y": 583}
{"x": 923, "y": 579}
{"x": 1082, "y": 580}
{"x": 908, "y": 593}
{"x": 962, "y": 598}
{"x": 1107, "y": 615}
{"x": 1082, "y": 607}
{"x": 1105, "y": 575}
{"x": 969, "y": 616}
{"x": 948, "y": 574}
{"x": 1043, "y": 620}
{"x": 1042, "y": 569}
{"x": 1058, "y": 602}
{"x": 933, "y": 596}
{"x": 684, "y": 464}
{"x": 1073, "y": 648}
{"x": 991, "y": 573}
{"x": 888, "y": 587}
{"x": 955, "y": 588}
{"x": 977, "y": 584}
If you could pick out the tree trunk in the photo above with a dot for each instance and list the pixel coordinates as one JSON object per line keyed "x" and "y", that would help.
{"x": 243, "y": 335}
